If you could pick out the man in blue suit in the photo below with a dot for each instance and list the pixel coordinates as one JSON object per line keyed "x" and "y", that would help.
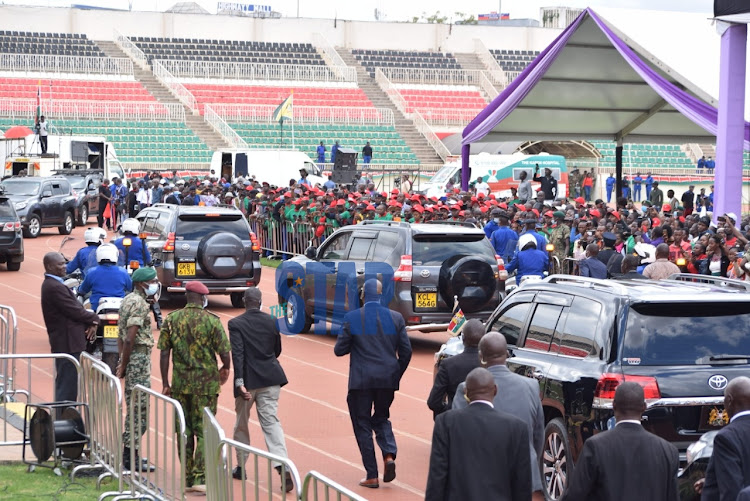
{"x": 380, "y": 353}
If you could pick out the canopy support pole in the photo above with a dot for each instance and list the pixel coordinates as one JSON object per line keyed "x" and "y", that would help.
{"x": 618, "y": 170}
{"x": 731, "y": 125}
{"x": 465, "y": 170}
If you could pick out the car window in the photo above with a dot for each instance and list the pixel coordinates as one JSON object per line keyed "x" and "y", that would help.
{"x": 161, "y": 223}
{"x": 542, "y": 327}
{"x": 336, "y": 248}
{"x": 386, "y": 246}
{"x": 21, "y": 187}
{"x": 147, "y": 226}
{"x": 57, "y": 189}
{"x": 432, "y": 250}
{"x": 577, "y": 338}
{"x": 361, "y": 249}
{"x": 197, "y": 226}
{"x": 511, "y": 322}
{"x": 6, "y": 209}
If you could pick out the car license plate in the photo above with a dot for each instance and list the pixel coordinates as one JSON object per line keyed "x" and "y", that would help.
{"x": 186, "y": 269}
{"x": 426, "y": 300}
{"x": 110, "y": 331}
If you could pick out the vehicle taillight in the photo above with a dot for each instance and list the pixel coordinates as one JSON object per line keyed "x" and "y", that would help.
{"x": 169, "y": 244}
{"x": 501, "y": 273}
{"x": 403, "y": 273}
{"x": 604, "y": 394}
{"x": 12, "y": 226}
{"x": 254, "y": 240}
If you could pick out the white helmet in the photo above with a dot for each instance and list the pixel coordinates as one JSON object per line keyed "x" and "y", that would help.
{"x": 525, "y": 239}
{"x": 94, "y": 236}
{"x": 130, "y": 225}
{"x": 107, "y": 253}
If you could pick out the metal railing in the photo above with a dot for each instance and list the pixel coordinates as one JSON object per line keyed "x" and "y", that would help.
{"x": 424, "y": 128}
{"x": 105, "y": 110}
{"x": 183, "y": 169}
{"x": 131, "y": 49}
{"x": 512, "y": 75}
{"x": 8, "y": 335}
{"x": 66, "y": 64}
{"x": 223, "y": 128}
{"x": 221, "y": 453}
{"x": 432, "y": 76}
{"x": 329, "y": 53}
{"x": 694, "y": 151}
{"x": 387, "y": 86}
{"x": 256, "y": 71}
{"x": 162, "y": 445}
{"x": 314, "y": 481}
{"x": 487, "y": 86}
{"x": 448, "y": 117}
{"x": 167, "y": 79}
{"x": 259, "y": 113}
{"x": 494, "y": 70}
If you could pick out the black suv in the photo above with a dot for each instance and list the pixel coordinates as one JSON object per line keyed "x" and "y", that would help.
{"x": 210, "y": 244}
{"x": 42, "y": 202}
{"x": 682, "y": 340}
{"x": 11, "y": 236}
{"x": 85, "y": 185}
{"x": 431, "y": 264}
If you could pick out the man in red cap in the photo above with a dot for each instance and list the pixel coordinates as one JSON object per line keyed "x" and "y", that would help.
{"x": 194, "y": 336}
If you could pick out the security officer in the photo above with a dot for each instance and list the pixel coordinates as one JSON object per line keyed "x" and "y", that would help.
{"x": 85, "y": 257}
{"x": 492, "y": 225}
{"x": 530, "y": 229}
{"x": 504, "y": 239}
{"x": 529, "y": 260}
{"x": 560, "y": 237}
{"x": 107, "y": 279}
{"x": 194, "y": 336}
{"x": 135, "y": 343}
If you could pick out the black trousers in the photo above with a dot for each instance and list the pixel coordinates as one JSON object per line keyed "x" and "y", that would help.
{"x": 370, "y": 411}
{"x": 43, "y": 143}
{"x": 156, "y": 309}
{"x": 66, "y": 381}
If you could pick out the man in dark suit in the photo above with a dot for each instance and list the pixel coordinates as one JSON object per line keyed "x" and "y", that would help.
{"x": 477, "y": 452}
{"x": 380, "y": 353}
{"x": 453, "y": 370}
{"x": 258, "y": 378}
{"x": 729, "y": 467}
{"x": 627, "y": 462}
{"x": 69, "y": 325}
{"x": 517, "y": 395}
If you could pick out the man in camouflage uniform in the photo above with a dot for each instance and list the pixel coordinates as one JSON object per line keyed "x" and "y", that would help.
{"x": 135, "y": 342}
{"x": 194, "y": 336}
{"x": 560, "y": 238}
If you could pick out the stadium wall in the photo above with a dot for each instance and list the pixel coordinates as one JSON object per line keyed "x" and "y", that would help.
{"x": 100, "y": 24}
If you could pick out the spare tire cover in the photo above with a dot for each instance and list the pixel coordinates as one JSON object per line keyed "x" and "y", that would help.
{"x": 469, "y": 278}
{"x": 221, "y": 254}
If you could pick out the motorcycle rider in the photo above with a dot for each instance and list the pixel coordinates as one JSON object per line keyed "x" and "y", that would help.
{"x": 107, "y": 279}
{"x": 85, "y": 258}
{"x": 137, "y": 252}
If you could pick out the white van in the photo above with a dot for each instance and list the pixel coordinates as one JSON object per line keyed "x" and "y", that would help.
{"x": 276, "y": 167}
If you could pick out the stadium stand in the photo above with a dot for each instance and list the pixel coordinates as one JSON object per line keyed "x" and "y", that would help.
{"x": 274, "y": 95}
{"x": 424, "y": 100}
{"x": 229, "y": 51}
{"x": 134, "y": 141}
{"x": 53, "y": 44}
{"x": 99, "y": 90}
{"x": 514, "y": 60}
{"x": 372, "y": 59}
{"x": 388, "y": 147}
{"x": 644, "y": 156}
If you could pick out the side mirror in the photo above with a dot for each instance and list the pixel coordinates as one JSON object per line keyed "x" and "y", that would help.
{"x": 311, "y": 253}
{"x": 46, "y": 194}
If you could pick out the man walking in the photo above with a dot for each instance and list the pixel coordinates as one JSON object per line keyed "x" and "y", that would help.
{"x": 375, "y": 336}
{"x": 258, "y": 378}
{"x": 135, "y": 342}
{"x": 453, "y": 370}
{"x": 517, "y": 396}
{"x": 194, "y": 336}
{"x": 68, "y": 323}
{"x": 627, "y": 462}
{"x": 477, "y": 452}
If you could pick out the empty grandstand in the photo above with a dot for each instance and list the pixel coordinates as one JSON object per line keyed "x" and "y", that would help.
{"x": 372, "y": 59}
{"x": 645, "y": 156}
{"x": 53, "y": 44}
{"x": 513, "y": 61}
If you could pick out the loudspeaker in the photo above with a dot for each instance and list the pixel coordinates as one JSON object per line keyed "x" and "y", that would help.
{"x": 344, "y": 176}
{"x": 346, "y": 159}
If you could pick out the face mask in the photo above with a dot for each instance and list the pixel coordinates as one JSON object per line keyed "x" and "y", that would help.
{"x": 205, "y": 301}
{"x": 152, "y": 289}
{"x": 497, "y": 219}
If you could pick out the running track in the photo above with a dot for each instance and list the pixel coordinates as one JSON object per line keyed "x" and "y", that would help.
{"x": 312, "y": 407}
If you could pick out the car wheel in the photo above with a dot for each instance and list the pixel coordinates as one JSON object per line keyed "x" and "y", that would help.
{"x": 554, "y": 462}
{"x": 34, "y": 227}
{"x": 83, "y": 214}
{"x": 238, "y": 299}
{"x": 13, "y": 266}
{"x": 297, "y": 321}
{"x": 67, "y": 226}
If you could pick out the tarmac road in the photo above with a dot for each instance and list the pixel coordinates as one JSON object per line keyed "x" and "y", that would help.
{"x": 312, "y": 407}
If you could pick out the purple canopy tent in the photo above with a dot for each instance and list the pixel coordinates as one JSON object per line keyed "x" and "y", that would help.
{"x": 593, "y": 82}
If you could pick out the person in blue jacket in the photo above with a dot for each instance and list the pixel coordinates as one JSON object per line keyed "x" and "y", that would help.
{"x": 137, "y": 249}
{"x": 504, "y": 239}
{"x": 530, "y": 229}
{"x": 334, "y": 151}
{"x": 610, "y": 187}
{"x": 649, "y": 185}
{"x": 321, "y": 153}
{"x": 107, "y": 279}
{"x": 529, "y": 261}
{"x": 637, "y": 180}
{"x": 85, "y": 258}
{"x": 492, "y": 225}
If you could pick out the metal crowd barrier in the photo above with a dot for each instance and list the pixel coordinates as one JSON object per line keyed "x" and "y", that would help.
{"x": 314, "y": 481}
{"x": 220, "y": 457}
{"x": 277, "y": 239}
{"x": 8, "y": 331}
{"x": 105, "y": 425}
{"x": 28, "y": 391}
{"x": 162, "y": 446}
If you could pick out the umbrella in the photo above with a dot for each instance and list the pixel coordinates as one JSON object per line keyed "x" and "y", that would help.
{"x": 18, "y": 132}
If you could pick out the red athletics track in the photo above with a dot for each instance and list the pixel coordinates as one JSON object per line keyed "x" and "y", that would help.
{"x": 313, "y": 405}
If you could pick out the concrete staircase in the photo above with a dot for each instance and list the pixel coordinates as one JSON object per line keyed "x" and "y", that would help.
{"x": 196, "y": 123}
{"x": 404, "y": 126}
{"x": 470, "y": 61}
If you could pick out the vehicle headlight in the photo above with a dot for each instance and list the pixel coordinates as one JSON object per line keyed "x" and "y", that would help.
{"x": 21, "y": 205}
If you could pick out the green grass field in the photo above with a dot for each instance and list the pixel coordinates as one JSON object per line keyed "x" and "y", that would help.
{"x": 43, "y": 484}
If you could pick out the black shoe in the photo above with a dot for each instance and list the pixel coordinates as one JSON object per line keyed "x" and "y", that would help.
{"x": 237, "y": 473}
{"x": 287, "y": 479}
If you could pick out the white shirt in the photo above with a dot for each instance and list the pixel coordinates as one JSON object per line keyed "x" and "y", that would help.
{"x": 42, "y": 128}
{"x": 482, "y": 188}
{"x": 740, "y": 414}
{"x": 633, "y": 421}
{"x": 143, "y": 196}
{"x": 485, "y": 402}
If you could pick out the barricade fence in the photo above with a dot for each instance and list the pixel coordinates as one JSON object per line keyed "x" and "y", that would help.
{"x": 282, "y": 238}
{"x": 315, "y": 482}
{"x": 8, "y": 332}
{"x": 161, "y": 446}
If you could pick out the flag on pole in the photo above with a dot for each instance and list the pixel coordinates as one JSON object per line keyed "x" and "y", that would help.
{"x": 457, "y": 322}
{"x": 284, "y": 110}
{"x": 38, "y": 100}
